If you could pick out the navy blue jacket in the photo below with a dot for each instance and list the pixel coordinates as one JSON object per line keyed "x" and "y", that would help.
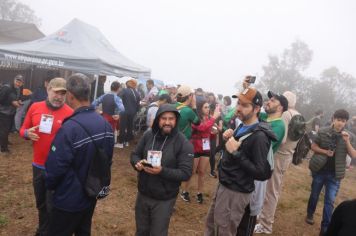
{"x": 70, "y": 155}
{"x": 131, "y": 100}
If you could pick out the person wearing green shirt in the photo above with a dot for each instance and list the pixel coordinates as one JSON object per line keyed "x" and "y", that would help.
{"x": 186, "y": 105}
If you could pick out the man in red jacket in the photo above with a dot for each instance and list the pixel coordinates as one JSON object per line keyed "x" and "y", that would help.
{"x": 41, "y": 124}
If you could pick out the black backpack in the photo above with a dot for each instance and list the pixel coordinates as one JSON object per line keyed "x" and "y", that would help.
{"x": 296, "y": 127}
{"x": 97, "y": 182}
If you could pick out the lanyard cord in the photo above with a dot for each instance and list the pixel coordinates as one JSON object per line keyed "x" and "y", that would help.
{"x": 154, "y": 139}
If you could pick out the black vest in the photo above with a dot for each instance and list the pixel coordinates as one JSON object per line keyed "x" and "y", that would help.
{"x": 109, "y": 104}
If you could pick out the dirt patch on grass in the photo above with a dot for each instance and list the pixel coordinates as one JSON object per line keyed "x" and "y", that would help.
{"x": 115, "y": 215}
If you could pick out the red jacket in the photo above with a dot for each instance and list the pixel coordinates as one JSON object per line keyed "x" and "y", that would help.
{"x": 33, "y": 118}
{"x": 200, "y": 132}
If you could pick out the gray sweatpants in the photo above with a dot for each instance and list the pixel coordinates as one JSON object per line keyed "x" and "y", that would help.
{"x": 226, "y": 211}
{"x": 152, "y": 216}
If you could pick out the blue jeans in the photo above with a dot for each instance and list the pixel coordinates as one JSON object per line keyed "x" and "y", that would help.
{"x": 332, "y": 186}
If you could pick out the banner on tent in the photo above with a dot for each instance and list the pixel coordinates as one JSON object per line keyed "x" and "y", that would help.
{"x": 31, "y": 60}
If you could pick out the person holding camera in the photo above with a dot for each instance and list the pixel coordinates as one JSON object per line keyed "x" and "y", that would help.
{"x": 327, "y": 165}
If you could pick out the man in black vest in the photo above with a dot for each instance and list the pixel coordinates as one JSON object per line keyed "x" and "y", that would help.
{"x": 327, "y": 165}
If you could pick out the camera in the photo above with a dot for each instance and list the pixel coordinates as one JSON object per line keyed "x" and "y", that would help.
{"x": 333, "y": 142}
{"x": 251, "y": 79}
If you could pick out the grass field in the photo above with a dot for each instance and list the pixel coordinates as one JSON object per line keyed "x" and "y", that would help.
{"x": 115, "y": 215}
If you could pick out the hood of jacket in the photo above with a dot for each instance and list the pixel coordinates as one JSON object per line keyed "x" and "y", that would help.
{"x": 162, "y": 109}
{"x": 266, "y": 128}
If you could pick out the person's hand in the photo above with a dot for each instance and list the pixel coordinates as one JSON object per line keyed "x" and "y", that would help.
{"x": 220, "y": 125}
{"x": 116, "y": 117}
{"x": 345, "y": 136}
{"x": 245, "y": 83}
{"x": 194, "y": 102}
{"x": 16, "y": 104}
{"x": 329, "y": 153}
{"x": 153, "y": 170}
{"x": 216, "y": 113}
{"x": 31, "y": 133}
{"x": 232, "y": 145}
{"x": 228, "y": 134}
{"x": 139, "y": 166}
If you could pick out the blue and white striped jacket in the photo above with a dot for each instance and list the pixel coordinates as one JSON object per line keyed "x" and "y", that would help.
{"x": 69, "y": 158}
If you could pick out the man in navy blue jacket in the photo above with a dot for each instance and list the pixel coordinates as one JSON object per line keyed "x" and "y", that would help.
{"x": 69, "y": 160}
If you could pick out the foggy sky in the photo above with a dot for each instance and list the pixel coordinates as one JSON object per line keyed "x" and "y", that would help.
{"x": 213, "y": 44}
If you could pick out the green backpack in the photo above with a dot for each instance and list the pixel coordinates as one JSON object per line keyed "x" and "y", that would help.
{"x": 296, "y": 127}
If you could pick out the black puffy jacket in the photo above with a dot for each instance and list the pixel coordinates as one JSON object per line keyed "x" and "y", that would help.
{"x": 177, "y": 160}
{"x": 238, "y": 172}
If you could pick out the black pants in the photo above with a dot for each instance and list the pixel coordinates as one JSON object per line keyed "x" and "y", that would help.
{"x": 212, "y": 154}
{"x": 152, "y": 216}
{"x": 64, "y": 223}
{"x": 247, "y": 224}
{"x": 43, "y": 200}
{"x": 126, "y": 127}
{"x": 6, "y": 122}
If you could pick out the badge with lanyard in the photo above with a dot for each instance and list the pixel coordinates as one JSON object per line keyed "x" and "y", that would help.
{"x": 46, "y": 123}
{"x": 154, "y": 157}
{"x": 206, "y": 144}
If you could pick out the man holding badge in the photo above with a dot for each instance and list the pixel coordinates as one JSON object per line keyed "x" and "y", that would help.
{"x": 163, "y": 159}
{"x": 41, "y": 124}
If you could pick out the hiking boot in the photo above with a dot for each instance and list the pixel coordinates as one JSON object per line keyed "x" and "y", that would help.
{"x": 260, "y": 229}
{"x": 309, "y": 219}
{"x": 185, "y": 196}
{"x": 213, "y": 174}
{"x": 200, "y": 198}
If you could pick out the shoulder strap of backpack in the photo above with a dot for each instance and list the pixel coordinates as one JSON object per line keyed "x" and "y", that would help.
{"x": 242, "y": 138}
{"x": 270, "y": 156}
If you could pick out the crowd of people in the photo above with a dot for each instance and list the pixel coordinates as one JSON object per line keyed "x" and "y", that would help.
{"x": 186, "y": 132}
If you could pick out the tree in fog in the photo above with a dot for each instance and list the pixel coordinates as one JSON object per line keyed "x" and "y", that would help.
{"x": 13, "y": 10}
{"x": 334, "y": 90}
{"x": 285, "y": 73}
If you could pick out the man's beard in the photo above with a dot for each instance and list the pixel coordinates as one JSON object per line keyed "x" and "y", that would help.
{"x": 271, "y": 110}
{"x": 244, "y": 118}
{"x": 166, "y": 131}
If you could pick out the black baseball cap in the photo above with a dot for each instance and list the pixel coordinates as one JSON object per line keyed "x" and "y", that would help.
{"x": 282, "y": 99}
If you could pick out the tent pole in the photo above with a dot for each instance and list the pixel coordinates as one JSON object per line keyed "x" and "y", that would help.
{"x": 31, "y": 77}
{"x": 96, "y": 77}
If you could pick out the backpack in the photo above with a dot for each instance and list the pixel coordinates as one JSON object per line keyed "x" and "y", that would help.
{"x": 97, "y": 182}
{"x": 270, "y": 159}
{"x": 301, "y": 150}
{"x": 296, "y": 127}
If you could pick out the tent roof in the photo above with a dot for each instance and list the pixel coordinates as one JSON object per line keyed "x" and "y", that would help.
{"x": 17, "y": 32}
{"x": 77, "y": 46}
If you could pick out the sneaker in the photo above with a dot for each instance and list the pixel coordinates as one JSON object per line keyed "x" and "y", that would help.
{"x": 119, "y": 145}
{"x": 127, "y": 144}
{"x": 309, "y": 219}
{"x": 260, "y": 229}
{"x": 213, "y": 174}
{"x": 200, "y": 198}
{"x": 185, "y": 196}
